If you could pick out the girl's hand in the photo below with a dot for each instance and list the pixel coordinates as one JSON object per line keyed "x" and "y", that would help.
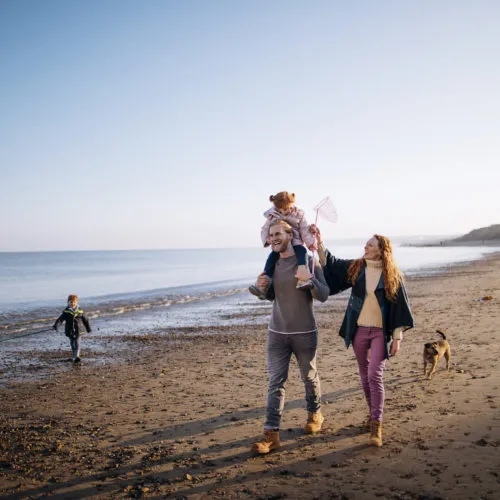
{"x": 396, "y": 344}
{"x": 313, "y": 247}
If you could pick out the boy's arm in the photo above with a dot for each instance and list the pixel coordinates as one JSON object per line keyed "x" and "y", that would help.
{"x": 59, "y": 321}
{"x": 86, "y": 323}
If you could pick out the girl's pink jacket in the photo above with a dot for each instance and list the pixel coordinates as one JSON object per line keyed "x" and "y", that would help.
{"x": 296, "y": 218}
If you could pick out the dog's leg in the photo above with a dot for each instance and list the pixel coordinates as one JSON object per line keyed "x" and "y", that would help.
{"x": 447, "y": 356}
{"x": 432, "y": 370}
{"x": 425, "y": 367}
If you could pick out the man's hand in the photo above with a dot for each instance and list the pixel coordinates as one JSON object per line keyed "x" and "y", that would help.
{"x": 396, "y": 344}
{"x": 263, "y": 281}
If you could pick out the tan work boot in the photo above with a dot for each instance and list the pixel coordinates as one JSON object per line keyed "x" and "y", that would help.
{"x": 376, "y": 433}
{"x": 314, "y": 422}
{"x": 271, "y": 441}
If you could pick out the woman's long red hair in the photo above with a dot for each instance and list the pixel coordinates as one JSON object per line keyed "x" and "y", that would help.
{"x": 392, "y": 275}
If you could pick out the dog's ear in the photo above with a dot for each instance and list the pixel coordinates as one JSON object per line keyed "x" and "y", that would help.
{"x": 428, "y": 346}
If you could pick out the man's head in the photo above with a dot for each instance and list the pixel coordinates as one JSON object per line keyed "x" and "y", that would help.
{"x": 281, "y": 235}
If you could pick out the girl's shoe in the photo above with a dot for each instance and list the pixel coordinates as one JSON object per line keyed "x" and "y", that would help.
{"x": 257, "y": 292}
{"x": 303, "y": 273}
{"x": 304, "y": 285}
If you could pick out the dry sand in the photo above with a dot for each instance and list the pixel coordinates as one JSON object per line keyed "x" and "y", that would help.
{"x": 176, "y": 418}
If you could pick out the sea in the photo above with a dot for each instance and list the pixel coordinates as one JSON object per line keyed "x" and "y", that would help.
{"x": 134, "y": 295}
{"x": 142, "y": 291}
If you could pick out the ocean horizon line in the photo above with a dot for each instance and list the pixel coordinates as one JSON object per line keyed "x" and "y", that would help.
{"x": 397, "y": 239}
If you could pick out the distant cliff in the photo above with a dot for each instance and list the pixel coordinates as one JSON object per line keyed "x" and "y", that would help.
{"x": 482, "y": 234}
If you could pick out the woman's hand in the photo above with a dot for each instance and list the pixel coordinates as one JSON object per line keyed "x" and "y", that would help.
{"x": 396, "y": 344}
{"x": 316, "y": 232}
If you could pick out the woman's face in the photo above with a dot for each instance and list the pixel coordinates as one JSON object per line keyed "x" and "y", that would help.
{"x": 372, "y": 249}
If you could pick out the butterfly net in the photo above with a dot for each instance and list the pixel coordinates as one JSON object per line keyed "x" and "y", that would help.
{"x": 326, "y": 209}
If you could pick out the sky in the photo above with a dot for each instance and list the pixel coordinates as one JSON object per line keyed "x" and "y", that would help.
{"x": 168, "y": 123}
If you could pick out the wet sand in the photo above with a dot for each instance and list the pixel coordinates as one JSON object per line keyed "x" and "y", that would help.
{"x": 176, "y": 414}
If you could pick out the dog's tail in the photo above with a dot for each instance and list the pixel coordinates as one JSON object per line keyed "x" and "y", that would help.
{"x": 442, "y": 334}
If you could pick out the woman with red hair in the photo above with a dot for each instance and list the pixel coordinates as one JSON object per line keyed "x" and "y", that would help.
{"x": 376, "y": 316}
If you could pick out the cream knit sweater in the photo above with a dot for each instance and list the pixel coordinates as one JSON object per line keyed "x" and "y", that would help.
{"x": 370, "y": 314}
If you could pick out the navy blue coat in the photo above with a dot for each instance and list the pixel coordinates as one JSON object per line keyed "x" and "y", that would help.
{"x": 75, "y": 322}
{"x": 395, "y": 314}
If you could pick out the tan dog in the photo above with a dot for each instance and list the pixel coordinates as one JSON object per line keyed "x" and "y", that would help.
{"x": 434, "y": 351}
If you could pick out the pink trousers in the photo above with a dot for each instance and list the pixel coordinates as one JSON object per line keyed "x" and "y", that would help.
{"x": 371, "y": 371}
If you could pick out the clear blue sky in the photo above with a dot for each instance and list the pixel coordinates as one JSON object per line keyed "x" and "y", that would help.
{"x": 158, "y": 124}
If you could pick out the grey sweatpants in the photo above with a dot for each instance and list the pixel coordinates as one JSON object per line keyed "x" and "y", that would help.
{"x": 280, "y": 348}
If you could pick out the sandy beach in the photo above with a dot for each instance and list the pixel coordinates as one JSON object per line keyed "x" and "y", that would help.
{"x": 176, "y": 414}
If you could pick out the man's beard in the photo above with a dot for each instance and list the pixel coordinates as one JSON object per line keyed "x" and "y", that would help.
{"x": 281, "y": 247}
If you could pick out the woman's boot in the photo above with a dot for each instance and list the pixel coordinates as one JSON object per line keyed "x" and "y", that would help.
{"x": 376, "y": 433}
{"x": 367, "y": 427}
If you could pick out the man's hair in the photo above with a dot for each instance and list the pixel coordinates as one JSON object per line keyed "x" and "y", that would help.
{"x": 288, "y": 229}
{"x": 72, "y": 297}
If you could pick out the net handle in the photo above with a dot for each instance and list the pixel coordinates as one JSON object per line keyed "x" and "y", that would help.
{"x": 314, "y": 251}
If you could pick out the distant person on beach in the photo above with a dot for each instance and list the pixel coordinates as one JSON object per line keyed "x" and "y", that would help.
{"x": 284, "y": 209}
{"x": 377, "y": 315}
{"x": 75, "y": 325}
{"x": 292, "y": 330}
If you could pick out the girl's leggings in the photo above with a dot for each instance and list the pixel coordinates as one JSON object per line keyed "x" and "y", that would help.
{"x": 371, "y": 371}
